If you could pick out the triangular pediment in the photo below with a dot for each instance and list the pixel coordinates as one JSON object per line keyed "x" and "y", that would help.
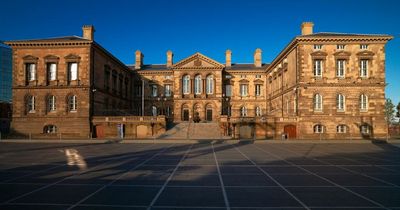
{"x": 198, "y": 61}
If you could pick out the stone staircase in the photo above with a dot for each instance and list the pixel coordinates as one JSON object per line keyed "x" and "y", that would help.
{"x": 185, "y": 130}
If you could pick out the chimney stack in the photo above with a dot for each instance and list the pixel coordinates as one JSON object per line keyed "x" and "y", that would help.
{"x": 228, "y": 58}
{"x": 88, "y": 32}
{"x": 257, "y": 58}
{"x": 138, "y": 59}
{"x": 169, "y": 59}
{"x": 307, "y": 28}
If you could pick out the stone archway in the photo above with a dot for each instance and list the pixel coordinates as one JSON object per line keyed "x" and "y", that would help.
{"x": 185, "y": 113}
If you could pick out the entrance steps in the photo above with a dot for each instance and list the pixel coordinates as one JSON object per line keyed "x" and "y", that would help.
{"x": 200, "y": 131}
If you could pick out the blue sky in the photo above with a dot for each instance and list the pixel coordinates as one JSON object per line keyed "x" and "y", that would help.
{"x": 206, "y": 26}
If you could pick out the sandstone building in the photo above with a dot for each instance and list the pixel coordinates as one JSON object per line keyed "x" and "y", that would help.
{"x": 321, "y": 85}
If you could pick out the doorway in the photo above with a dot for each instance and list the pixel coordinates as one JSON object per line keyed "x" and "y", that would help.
{"x": 290, "y": 130}
{"x": 209, "y": 115}
{"x": 185, "y": 115}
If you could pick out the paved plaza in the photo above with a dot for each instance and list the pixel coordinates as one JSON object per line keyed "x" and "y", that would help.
{"x": 199, "y": 176}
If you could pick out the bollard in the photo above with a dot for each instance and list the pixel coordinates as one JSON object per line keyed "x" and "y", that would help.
{"x": 30, "y": 136}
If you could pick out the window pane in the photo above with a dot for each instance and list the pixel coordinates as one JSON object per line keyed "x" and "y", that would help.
{"x": 52, "y": 71}
{"x": 73, "y": 71}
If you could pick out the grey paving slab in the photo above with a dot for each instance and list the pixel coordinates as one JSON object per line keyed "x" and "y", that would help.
{"x": 260, "y": 197}
{"x": 123, "y": 195}
{"x": 247, "y": 180}
{"x": 329, "y": 197}
{"x": 372, "y": 171}
{"x": 387, "y": 196}
{"x": 58, "y": 194}
{"x": 191, "y": 197}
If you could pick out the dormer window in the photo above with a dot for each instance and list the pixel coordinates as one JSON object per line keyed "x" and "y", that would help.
{"x": 318, "y": 47}
{"x": 363, "y": 46}
{"x": 340, "y": 46}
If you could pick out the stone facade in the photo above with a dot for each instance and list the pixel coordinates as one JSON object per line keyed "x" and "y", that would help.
{"x": 321, "y": 86}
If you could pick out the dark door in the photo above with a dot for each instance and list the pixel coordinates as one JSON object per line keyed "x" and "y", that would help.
{"x": 290, "y": 130}
{"x": 185, "y": 115}
{"x": 99, "y": 131}
{"x": 209, "y": 114}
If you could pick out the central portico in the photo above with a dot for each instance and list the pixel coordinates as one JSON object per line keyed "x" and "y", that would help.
{"x": 197, "y": 88}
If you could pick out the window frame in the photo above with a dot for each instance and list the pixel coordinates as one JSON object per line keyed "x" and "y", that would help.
{"x": 244, "y": 90}
{"x": 341, "y": 68}
{"x": 318, "y": 68}
{"x": 364, "y": 68}
{"x": 73, "y": 76}
{"x": 72, "y": 103}
{"x": 198, "y": 86}
{"x": 340, "y": 103}
{"x": 318, "y": 102}
{"x": 318, "y": 129}
{"x": 186, "y": 84}
{"x": 210, "y": 84}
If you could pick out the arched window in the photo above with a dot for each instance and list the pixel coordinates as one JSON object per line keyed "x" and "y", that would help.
{"x": 258, "y": 111}
{"x": 341, "y": 129}
{"x": 340, "y": 102}
{"x": 365, "y": 129}
{"x": 363, "y": 102}
{"x": 50, "y": 129}
{"x": 197, "y": 84}
{"x": 243, "y": 111}
{"x": 31, "y": 103}
{"x": 154, "y": 110}
{"x": 186, "y": 84}
{"x": 317, "y": 102}
{"x": 72, "y": 103}
{"x": 318, "y": 128}
{"x": 51, "y": 104}
{"x": 210, "y": 84}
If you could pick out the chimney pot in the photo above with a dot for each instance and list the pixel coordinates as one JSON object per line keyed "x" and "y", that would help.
{"x": 257, "y": 58}
{"x": 138, "y": 59}
{"x": 169, "y": 59}
{"x": 307, "y": 28}
{"x": 88, "y": 32}
{"x": 228, "y": 58}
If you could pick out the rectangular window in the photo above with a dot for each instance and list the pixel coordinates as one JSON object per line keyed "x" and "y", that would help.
{"x": 340, "y": 46}
{"x": 340, "y": 65}
{"x": 167, "y": 76}
{"x": 72, "y": 71}
{"x": 363, "y": 46}
{"x": 107, "y": 80}
{"x": 154, "y": 91}
{"x": 30, "y": 71}
{"x": 364, "y": 68}
{"x": 243, "y": 76}
{"x": 258, "y": 76}
{"x": 114, "y": 83}
{"x": 228, "y": 76}
{"x": 317, "y": 46}
{"x": 258, "y": 90}
{"x": 244, "y": 90}
{"x": 120, "y": 85}
{"x": 138, "y": 90}
{"x": 228, "y": 90}
{"x": 51, "y": 71}
{"x": 167, "y": 90}
{"x": 318, "y": 68}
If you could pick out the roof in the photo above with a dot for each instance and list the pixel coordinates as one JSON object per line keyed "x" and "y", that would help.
{"x": 235, "y": 66}
{"x": 52, "y": 39}
{"x": 151, "y": 67}
{"x": 246, "y": 66}
{"x": 332, "y": 34}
